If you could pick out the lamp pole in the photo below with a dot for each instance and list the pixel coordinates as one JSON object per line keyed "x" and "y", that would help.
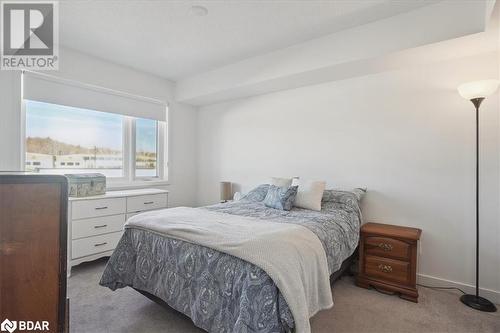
{"x": 475, "y": 301}
{"x": 477, "y": 102}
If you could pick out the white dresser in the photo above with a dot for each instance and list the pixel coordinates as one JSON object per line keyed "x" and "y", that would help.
{"x": 96, "y": 223}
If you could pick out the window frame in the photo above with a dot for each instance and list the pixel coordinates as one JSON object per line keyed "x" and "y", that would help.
{"x": 128, "y": 179}
{"x": 160, "y": 152}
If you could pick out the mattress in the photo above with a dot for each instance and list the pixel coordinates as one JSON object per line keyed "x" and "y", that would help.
{"x": 220, "y": 292}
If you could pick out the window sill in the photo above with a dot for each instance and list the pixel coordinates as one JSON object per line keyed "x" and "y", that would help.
{"x": 138, "y": 184}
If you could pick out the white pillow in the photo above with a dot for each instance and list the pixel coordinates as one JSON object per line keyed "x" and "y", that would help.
{"x": 281, "y": 182}
{"x": 309, "y": 195}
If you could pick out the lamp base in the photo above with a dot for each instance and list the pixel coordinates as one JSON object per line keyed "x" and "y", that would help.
{"x": 478, "y": 303}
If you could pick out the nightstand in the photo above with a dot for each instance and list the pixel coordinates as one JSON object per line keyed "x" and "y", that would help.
{"x": 388, "y": 259}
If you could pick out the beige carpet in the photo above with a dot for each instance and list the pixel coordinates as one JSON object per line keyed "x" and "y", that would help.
{"x": 97, "y": 309}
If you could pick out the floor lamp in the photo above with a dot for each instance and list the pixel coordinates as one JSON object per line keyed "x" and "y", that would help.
{"x": 476, "y": 92}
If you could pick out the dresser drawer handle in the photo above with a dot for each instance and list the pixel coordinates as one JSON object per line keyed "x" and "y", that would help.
{"x": 385, "y": 247}
{"x": 149, "y": 203}
{"x": 100, "y": 226}
{"x": 100, "y": 244}
{"x": 99, "y": 208}
{"x": 385, "y": 268}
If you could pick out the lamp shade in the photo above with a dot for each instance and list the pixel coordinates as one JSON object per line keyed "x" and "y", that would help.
{"x": 226, "y": 191}
{"x": 478, "y": 89}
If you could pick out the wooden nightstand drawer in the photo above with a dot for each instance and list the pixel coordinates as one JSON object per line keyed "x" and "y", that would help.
{"x": 387, "y": 269}
{"x": 387, "y": 247}
{"x": 388, "y": 259}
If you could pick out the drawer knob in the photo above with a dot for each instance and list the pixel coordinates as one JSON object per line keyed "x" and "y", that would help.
{"x": 100, "y": 226}
{"x": 385, "y": 247}
{"x": 149, "y": 203}
{"x": 99, "y": 208}
{"x": 385, "y": 268}
{"x": 100, "y": 244}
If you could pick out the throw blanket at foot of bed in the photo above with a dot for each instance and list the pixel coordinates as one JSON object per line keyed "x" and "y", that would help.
{"x": 290, "y": 254}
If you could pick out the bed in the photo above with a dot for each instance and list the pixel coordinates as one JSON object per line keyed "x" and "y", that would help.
{"x": 221, "y": 292}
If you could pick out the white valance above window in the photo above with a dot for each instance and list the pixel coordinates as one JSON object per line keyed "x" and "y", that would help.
{"x": 48, "y": 89}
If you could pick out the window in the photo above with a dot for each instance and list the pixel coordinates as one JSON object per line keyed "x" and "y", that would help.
{"x": 62, "y": 139}
{"x": 57, "y": 136}
{"x": 146, "y": 134}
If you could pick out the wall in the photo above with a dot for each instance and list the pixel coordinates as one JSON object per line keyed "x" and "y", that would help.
{"x": 406, "y": 135}
{"x": 91, "y": 70}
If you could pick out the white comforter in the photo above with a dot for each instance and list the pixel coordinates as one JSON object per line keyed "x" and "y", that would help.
{"x": 290, "y": 254}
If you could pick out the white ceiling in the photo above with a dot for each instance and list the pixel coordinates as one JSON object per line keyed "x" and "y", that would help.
{"x": 164, "y": 38}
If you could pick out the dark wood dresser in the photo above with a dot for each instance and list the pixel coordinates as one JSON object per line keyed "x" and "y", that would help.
{"x": 388, "y": 259}
{"x": 33, "y": 246}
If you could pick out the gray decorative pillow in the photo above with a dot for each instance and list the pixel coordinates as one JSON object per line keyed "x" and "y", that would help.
{"x": 280, "y": 197}
{"x": 257, "y": 194}
{"x": 343, "y": 196}
{"x": 342, "y": 199}
{"x": 345, "y": 200}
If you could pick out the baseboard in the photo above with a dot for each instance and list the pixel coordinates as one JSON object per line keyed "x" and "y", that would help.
{"x": 492, "y": 295}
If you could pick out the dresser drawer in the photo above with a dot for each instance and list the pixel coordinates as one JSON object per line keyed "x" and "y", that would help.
{"x": 129, "y": 215}
{"x": 387, "y": 247}
{"x": 146, "y": 202}
{"x": 82, "y": 209}
{"x": 387, "y": 269}
{"x": 97, "y": 226}
{"x": 86, "y": 246}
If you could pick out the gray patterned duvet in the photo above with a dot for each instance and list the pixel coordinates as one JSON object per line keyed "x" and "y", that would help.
{"x": 219, "y": 292}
